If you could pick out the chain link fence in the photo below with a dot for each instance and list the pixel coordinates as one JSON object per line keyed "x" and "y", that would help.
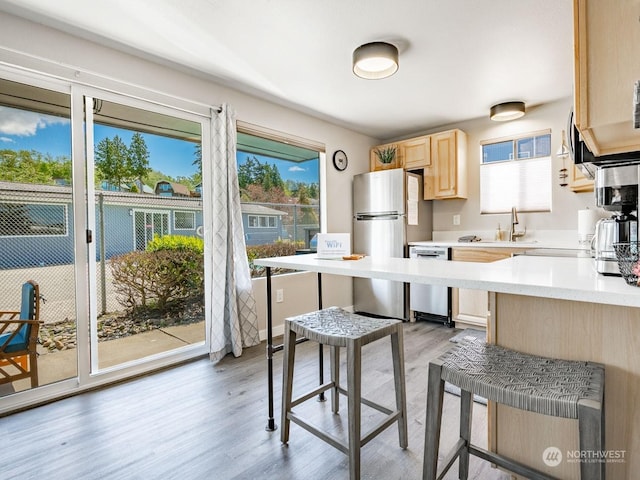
{"x": 37, "y": 238}
{"x": 37, "y": 241}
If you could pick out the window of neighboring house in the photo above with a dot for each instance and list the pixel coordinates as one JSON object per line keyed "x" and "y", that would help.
{"x": 184, "y": 220}
{"x": 280, "y": 176}
{"x": 516, "y": 172}
{"x": 261, "y": 221}
{"x": 32, "y": 219}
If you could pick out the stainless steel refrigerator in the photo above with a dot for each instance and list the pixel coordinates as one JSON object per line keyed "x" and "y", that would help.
{"x": 388, "y": 212}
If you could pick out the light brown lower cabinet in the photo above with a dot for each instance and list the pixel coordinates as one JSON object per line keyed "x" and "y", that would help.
{"x": 470, "y": 308}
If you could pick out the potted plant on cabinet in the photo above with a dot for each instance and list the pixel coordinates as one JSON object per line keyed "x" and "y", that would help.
{"x": 386, "y": 158}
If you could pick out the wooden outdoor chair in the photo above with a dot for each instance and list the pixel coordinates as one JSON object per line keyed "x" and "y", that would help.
{"x": 19, "y": 336}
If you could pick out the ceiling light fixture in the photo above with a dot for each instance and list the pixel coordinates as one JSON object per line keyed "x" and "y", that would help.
{"x": 375, "y": 60}
{"x": 503, "y": 112}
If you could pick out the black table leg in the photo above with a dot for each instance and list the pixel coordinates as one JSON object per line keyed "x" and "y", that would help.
{"x": 321, "y": 397}
{"x": 271, "y": 349}
{"x": 271, "y": 423}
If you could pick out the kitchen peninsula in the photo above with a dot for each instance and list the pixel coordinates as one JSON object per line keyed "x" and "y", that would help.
{"x": 557, "y": 307}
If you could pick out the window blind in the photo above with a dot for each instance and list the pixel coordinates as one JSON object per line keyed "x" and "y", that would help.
{"x": 524, "y": 184}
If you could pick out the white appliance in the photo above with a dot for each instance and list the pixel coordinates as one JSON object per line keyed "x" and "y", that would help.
{"x": 430, "y": 302}
{"x": 389, "y": 212}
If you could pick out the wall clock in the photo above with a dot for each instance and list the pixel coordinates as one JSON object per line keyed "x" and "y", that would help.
{"x": 340, "y": 160}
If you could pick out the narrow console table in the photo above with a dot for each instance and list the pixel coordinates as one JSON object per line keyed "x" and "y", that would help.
{"x": 558, "y": 307}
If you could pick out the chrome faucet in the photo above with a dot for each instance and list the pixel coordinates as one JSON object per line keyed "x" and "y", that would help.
{"x": 512, "y": 229}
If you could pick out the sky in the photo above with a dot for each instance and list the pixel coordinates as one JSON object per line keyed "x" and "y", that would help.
{"x": 26, "y": 130}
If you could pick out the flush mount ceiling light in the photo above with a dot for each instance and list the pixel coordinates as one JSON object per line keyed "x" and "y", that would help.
{"x": 375, "y": 60}
{"x": 507, "y": 111}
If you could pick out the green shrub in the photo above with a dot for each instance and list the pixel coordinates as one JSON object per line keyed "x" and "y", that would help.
{"x": 176, "y": 242}
{"x": 158, "y": 278}
{"x": 277, "y": 249}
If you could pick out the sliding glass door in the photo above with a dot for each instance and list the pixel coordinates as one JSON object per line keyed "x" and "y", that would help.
{"x": 37, "y": 228}
{"x": 144, "y": 186}
{"x": 101, "y": 206}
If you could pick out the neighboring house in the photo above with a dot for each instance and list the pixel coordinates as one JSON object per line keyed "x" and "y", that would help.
{"x": 105, "y": 185}
{"x": 35, "y": 226}
{"x": 165, "y": 188}
{"x": 262, "y": 224}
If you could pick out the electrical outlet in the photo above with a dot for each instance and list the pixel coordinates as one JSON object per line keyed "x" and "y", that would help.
{"x": 456, "y": 219}
{"x": 279, "y": 295}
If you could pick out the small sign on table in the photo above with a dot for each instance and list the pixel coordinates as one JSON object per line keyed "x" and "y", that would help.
{"x": 334, "y": 245}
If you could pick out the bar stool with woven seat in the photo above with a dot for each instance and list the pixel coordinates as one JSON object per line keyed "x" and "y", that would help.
{"x": 338, "y": 328}
{"x": 560, "y": 388}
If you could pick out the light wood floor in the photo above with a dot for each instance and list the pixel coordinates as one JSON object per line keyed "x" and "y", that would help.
{"x": 200, "y": 421}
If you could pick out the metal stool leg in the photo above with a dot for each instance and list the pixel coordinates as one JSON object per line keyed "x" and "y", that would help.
{"x": 591, "y": 433}
{"x": 354, "y": 395}
{"x": 287, "y": 380}
{"x": 335, "y": 378}
{"x": 397, "y": 352}
{"x": 466, "y": 414}
{"x": 435, "y": 395}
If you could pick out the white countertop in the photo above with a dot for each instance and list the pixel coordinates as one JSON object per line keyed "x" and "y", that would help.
{"x": 553, "y": 277}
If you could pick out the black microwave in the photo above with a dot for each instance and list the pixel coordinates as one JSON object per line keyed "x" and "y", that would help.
{"x": 586, "y": 160}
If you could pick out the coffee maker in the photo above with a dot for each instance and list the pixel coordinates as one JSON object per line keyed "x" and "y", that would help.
{"x": 616, "y": 190}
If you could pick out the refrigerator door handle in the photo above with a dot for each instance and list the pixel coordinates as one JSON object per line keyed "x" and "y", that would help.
{"x": 377, "y": 216}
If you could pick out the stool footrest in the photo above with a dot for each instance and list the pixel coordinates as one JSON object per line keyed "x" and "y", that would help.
{"x": 335, "y": 441}
{"x": 322, "y": 388}
{"x": 511, "y": 465}
{"x": 460, "y": 445}
{"x": 330, "y": 439}
{"x": 382, "y": 425}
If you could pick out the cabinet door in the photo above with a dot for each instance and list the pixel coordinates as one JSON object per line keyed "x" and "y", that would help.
{"x": 607, "y": 52}
{"x": 443, "y": 155}
{"x": 416, "y": 153}
{"x": 578, "y": 182}
{"x": 471, "y": 307}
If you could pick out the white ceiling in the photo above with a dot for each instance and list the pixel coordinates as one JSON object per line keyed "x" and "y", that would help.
{"x": 457, "y": 57}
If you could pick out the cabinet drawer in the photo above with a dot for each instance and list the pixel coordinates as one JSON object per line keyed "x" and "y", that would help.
{"x": 483, "y": 255}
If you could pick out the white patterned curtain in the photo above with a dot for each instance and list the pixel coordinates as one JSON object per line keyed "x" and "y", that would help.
{"x": 234, "y": 323}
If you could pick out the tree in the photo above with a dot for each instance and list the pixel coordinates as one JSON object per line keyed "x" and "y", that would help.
{"x": 254, "y": 172}
{"x": 112, "y": 161}
{"x": 119, "y": 164}
{"x": 197, "y": 153}
{"x": 31, "y": 166}
{"x": 138, "y": 157}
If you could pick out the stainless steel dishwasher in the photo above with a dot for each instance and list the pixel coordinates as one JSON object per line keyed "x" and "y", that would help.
{"x": 430, "y": 302}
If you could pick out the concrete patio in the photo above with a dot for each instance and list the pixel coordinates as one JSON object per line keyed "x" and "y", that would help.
{"x": 60, "y": 365}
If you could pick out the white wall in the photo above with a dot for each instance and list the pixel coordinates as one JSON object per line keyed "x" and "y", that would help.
{"x": 563, "y": 219}
{"x": 42, "y": 49}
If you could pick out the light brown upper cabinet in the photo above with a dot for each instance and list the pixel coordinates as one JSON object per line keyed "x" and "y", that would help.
{"x": 607, "y": 65}
{"x": 578, "y": 182}
{"x": 447, "y": 175}
{"x": 416, "y": 152}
